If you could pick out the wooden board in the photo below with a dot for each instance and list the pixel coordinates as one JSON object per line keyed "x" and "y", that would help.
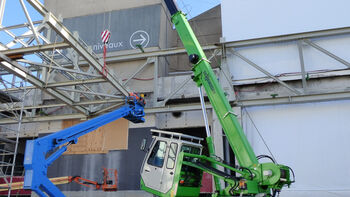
{"x": 113, "y": 136}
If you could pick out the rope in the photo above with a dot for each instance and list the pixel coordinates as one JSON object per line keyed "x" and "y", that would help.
{"x": 268, "y": 148}
{"x": 104, "y": 69}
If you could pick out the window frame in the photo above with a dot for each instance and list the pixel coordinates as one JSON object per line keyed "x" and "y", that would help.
{"x": 152, "y": 164}
{"x": 173, "y": 158}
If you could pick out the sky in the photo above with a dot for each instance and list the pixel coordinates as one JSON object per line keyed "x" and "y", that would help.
{"x": 14, "y": 14}
{"x": 195, "y": 7}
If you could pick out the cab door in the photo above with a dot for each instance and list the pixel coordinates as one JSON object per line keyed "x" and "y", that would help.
{"x": 153, "y": 166}
{"x": 169, "y": 168}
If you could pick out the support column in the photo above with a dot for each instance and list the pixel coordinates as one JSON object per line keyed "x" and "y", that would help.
{"x": 155, "y": 81}
{"x": 2, "y": 10}
{"x": 216, "y": 132}
{"x": 225, "y": 78}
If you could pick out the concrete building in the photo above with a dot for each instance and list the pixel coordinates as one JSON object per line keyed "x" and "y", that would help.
{"x": 158, "y": 76}
{"x": 284, "y": 68}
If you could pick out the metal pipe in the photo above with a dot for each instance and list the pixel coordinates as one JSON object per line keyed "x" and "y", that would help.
{"x": 17, "y": 140}
{"x": 2, "y": 10}
{"x": 30, "y": 22}
{"x": 204, "y": 112}
{"x": 93, "y": 93}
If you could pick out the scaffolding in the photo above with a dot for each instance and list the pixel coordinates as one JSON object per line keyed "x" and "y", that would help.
{"x": 10, "y": 165}
{"x": 43, "y": 60}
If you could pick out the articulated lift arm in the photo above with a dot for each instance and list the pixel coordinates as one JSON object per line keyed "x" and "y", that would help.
{"x": 36, "y": 160}
{"x": 265, "y": 176}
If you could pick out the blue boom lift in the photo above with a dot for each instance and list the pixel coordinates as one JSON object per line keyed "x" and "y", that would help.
{"x": 37, "y": 160}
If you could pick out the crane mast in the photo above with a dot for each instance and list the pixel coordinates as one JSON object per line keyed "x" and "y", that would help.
{"x": 256, "y": 178}
{"x": 204, "y": 76}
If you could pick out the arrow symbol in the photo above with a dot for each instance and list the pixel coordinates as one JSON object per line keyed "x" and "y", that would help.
{"x": 142, "y": 39}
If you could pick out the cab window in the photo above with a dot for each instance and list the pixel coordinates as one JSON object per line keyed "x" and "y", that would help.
{"x": 190, "y": 149}
{"x": 172, "y": 156}
{"x": 157, "y": 155}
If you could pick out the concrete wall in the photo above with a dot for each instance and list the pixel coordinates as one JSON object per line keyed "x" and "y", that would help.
{"x": 207, "y": 28}
{"x": 307, "y": 137}
{"x": 255, "y": 19}
{"x": 311, "y": 138}
{"x": 121, "y": 18}
{"x": 283, "y": 58}
{"x": 68, "y": 8}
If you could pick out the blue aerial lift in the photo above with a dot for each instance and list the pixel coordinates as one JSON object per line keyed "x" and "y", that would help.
{"x": 41, "y": 152}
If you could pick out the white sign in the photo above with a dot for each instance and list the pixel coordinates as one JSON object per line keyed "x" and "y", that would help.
{"x": 139, "y": 37}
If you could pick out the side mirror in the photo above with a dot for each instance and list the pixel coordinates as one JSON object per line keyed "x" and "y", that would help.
{"x": 143, "y": 144}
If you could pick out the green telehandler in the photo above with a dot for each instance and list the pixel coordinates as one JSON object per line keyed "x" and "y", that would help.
{"x": 174, "y": 164}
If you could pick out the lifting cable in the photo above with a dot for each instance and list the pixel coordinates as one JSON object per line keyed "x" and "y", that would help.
{"x": 105, "y": 36}
{"x": 256, "y": 128}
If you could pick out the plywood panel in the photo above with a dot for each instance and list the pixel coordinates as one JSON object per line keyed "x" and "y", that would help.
{"x": 113, "y": 136}
{"x": 116, "y": 135}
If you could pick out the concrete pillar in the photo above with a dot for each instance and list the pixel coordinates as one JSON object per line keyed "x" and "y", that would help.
{"x": 218, "y": 141}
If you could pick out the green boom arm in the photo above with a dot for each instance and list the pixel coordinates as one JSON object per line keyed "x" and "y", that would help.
{"x": 265, "y": 176}
{"x": 204, "y": 75}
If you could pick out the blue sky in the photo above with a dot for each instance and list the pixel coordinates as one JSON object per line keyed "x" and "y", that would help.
{"x": 14, "y": 14}
{"x": 195, "y": 7}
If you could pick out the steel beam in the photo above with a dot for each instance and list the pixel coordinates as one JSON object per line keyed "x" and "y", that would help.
{"x": 20, "y": 71}
{"x": 177, "y": 107}
{"x": 293, "y": 77}
{"x": 346, "y": 63}
{"x": 60, "y": 68}
{"x": 131, "y": 56}
{"x": 33, "y": 49}
{"x": 2, "y": 10}
{"x": 242, "y": 43}
{"x": 93, "y": 93}
{"x": 295, "y": 91}
{"x": 162, "y": 103}
{"x": 16, "y": 107}
{"x": 287, "y": 38}
{"x": 33, "y": 107}
{"x": 16, "y": 40}
{"x": 109, "y": 108}
{"x": 329, "y": 96}
{"x": 159, "y": 53}
{"x": 61, "y": 30}
{"x": 155, "y": 81}
{"x": 62, "y": 84}
{"x": 149, "y": 60}
{"x": 18, "y": 25}
{"x": 169, "y": 108}
{"x": 76, "y": 82}
{"x": 43, "y": 118}
{"x": 302, "y": 66}
{"x": 99, "y": 102}
{"x": 30, "y": 22}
